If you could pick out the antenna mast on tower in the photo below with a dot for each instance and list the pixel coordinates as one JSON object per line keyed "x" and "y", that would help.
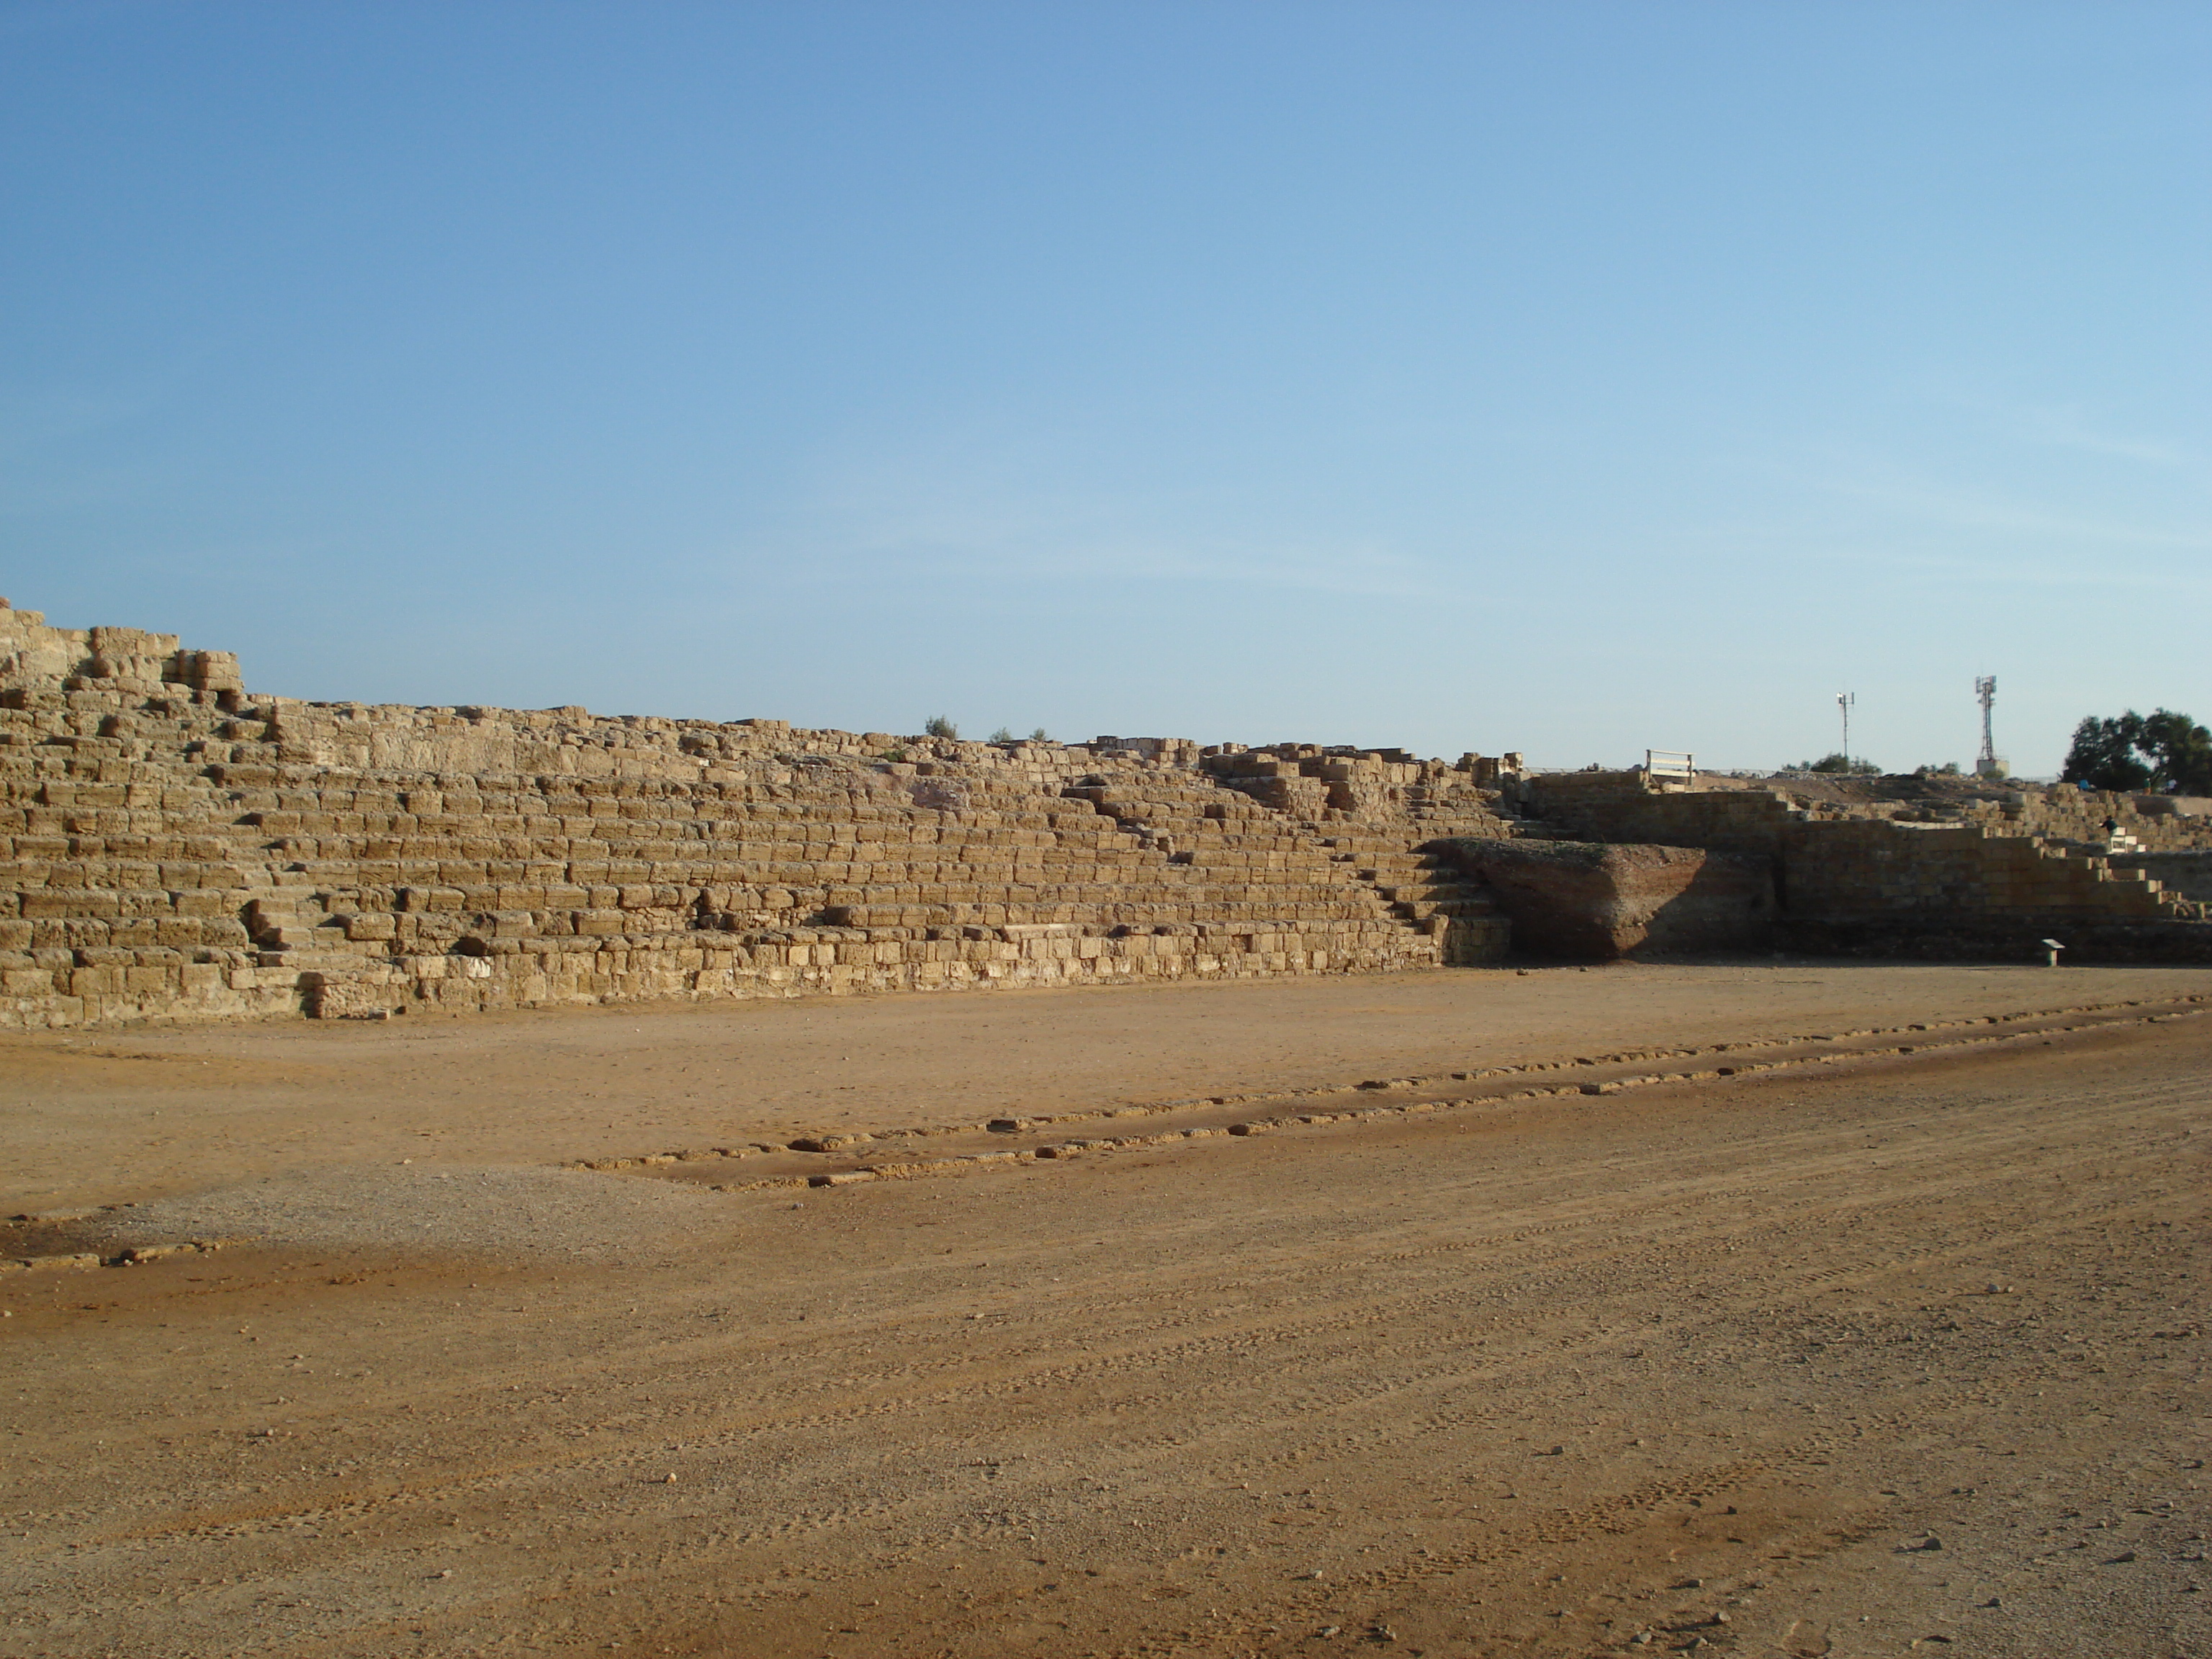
{"x": 1987, "y": 765}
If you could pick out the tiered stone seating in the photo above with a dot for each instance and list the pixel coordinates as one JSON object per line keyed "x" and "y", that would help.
{"x": 1376, "y": 811}
{"x": 175, "y": 846}
{"x": 172, "y": 845}
{"x": 1253, "y": 865}
{"x": 1428, "y": 890}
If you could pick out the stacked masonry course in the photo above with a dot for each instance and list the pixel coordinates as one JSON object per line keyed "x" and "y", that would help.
{"x": 172, "y": 845}
{"x": 1992, "y": 878}
{"x": 176, "y": 846}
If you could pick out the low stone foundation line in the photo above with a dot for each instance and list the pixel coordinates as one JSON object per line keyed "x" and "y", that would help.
{"x": 1746, "y": 1060}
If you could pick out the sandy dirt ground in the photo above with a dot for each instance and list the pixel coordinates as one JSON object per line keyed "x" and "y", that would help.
{"x": 1872, "y": 1354}
{"x": 112, "y": 1116}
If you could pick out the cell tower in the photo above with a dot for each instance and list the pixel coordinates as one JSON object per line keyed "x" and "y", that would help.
{"x": 1844, "y": 701}
{"x": 1987, "y": 765}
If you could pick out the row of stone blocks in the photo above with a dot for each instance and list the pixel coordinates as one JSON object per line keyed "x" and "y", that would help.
{"x": 642, "y": 970}
{"x": 49, "y": 987}
{"x": 1862, "y": 869}
{"x": 169, "y": 843}
{"x": 120, "y": 886}
{"x": 1859, "y": 869}
{"x": 102, "y": 874}
{"x": 957, "y": 857}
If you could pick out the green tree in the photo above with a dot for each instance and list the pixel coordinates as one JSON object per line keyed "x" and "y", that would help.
{"x": 2181, "y": 752}
{"x": 2103, "y": 754}
{"x": 1841, "y": 763}
{"x": 2163, "y": 751}
{"x": 937, "y": 725}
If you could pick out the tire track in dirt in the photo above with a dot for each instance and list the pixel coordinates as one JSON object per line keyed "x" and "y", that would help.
{"x": 1458, "y": 1334}
{"x": 1338, "y": 1336}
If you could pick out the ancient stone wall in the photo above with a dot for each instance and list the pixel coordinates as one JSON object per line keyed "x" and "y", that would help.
{"x": 1589, "y": 902}
{"x": 172, "y": 845}
{"x": 1859, "y": 882}
{"x": 2088, "y": 819}
{"x": 1617, "y": 807}
{"x": 2186, "y": 874}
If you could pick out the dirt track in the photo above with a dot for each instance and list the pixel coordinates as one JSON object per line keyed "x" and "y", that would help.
{"x": 1903, "y": 1351}
{"x": 108, "y": 1117}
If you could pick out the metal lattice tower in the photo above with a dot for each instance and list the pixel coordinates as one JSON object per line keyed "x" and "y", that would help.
{"x": 1844, "y": 701}
{"x": 1985, "y": 693}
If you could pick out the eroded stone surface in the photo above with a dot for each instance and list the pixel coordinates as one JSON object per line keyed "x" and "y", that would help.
{"x": 1584, "y": 900}
{"x": 179, "y": 847}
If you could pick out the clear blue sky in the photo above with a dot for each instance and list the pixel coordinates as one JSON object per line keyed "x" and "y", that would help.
{"x": 1572, "y": 378}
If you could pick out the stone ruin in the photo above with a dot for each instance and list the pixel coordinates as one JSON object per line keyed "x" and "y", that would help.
{"x": 1983, "y": 878}
{"x": 177, "y": 847}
